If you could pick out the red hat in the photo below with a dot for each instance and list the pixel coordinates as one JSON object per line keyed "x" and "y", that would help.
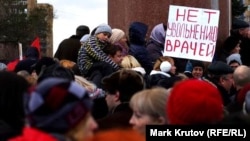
{"x": 194, "y": 102}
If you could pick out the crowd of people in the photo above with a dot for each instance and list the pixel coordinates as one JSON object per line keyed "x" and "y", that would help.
{"x": 109, "y": 84}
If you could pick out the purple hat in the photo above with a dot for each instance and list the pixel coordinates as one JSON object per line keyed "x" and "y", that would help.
{"x": 57, "y": 105}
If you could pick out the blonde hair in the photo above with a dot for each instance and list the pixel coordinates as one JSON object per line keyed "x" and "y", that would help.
{"x": 161, "y": 59}
{"x": 91, "y": 87}
{"x": 151, "y": 102}
{"x": 129, "y": 62}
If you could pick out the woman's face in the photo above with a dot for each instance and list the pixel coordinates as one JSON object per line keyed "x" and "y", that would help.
{"x": 139, "y": 121}
{"x": 236, "y": 49}
{"x": 197, "y": 72}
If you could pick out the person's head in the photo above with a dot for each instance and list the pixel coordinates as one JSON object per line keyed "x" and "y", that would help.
{"x": 232, "y": 45}
{"x": 114, "y": 51}
{"x": 55, "y": 70}
{"x": 158, "y": 33}
{"x": 241, "y": 76}
{"x": 120, "y": 86}
{"x": 234, "y": 60}
{"x": 137, "y": 33}
{"x": 129, "y": 62}
{"x": 103, "y": 32}
{"x": 198, "y": 68}
{"x": 158, "y": 62}
{"x": 193, "y": 102}
{"x": 82, "y": 30}
{"x": 43, "y": 62}
{"x": 60, "y": 106}
{"x": 222, "y": 74}
{"x": 148, "y": 108}
{"x": 12, "y": 91}
{"x": 240, "y": 26}
{"x": 118, "y": 35}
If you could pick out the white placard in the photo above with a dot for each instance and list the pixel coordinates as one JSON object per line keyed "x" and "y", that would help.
{"x": 191, "y": 33}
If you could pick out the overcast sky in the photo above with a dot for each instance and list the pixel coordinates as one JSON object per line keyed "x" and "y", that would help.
{"x": 71, "y": 13}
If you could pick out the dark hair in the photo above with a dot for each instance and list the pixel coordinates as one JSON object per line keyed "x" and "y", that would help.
{"x": 82, "y": 30}
{"x": 112, "y": 49}
{"x": 12, "y": 91}
{"x": 55, "y": 70}
{"x": 127, "y": 82}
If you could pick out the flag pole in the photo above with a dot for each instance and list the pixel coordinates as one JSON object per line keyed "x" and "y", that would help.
{"x": 20, "y": 48}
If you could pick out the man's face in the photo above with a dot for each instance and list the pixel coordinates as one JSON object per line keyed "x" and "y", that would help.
{"x": 227, "y": 81}
{"x": 245, "y": 32}
{"x": 117, "y": 58}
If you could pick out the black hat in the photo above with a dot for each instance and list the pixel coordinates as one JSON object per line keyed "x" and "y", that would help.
{"x": 82, "y": 30}
{"x": 219, "y": 68}
{"x": 197, "y": 63}
{"x": 238, "y": 24}
{"x": 230, "y": 43}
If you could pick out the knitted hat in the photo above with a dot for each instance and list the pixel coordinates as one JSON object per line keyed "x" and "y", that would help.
{"x": 165, "y": 66}
{"x": 117, "y": 35}
{"x": 230, "y": 43}
{"x": 57, "y": 105}
{"x": 234, "y": 57}
{"x": 103, "y": 28}
{"x": 238, "y": 24}
{"x": 194, "y": 102}
{"x": 219, "y": 68}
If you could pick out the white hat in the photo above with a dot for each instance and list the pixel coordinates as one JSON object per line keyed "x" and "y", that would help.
{"x": 165, "y": 66}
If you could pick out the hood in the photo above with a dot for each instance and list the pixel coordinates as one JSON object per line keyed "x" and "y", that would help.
{"x": 137, "y": 33}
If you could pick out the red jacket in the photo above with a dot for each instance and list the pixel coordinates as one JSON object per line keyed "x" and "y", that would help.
{"x": 31, "y": 134}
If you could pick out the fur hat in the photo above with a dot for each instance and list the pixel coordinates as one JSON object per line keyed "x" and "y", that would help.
{"x": 165, "y": 66}
{"x": 234, "y": 57}
{"x": 219, "y": 68}
{"x": 103, "y": 28}
{"x": 238, "y": 24}
{"x": 57, "y": 105}
{"x": 194, "y": 102}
